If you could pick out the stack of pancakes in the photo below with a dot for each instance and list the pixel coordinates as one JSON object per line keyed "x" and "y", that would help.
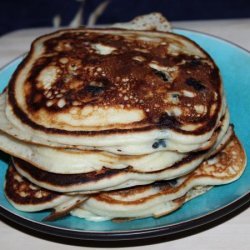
{"x": 112, "y": 123}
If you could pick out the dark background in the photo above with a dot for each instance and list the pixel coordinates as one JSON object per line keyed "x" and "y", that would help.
{"x": 17, "y": 14}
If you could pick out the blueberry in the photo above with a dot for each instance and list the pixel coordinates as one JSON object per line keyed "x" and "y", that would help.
{"x": 155, "y": 145}
{"x": 168, "y": 121}
{"x": 94, "y": 90}
{"x": 161, "y": 74}
{"x": 194, "y": 62}
{"x": 159, "y": 143}
{"x": 172, "y": 182}
{"x": 195, "y": 84}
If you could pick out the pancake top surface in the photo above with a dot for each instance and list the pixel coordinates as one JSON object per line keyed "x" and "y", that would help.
{"x": 95, "y": 80}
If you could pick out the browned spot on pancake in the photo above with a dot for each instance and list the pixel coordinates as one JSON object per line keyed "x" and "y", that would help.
{"x": 162, "y": 188}
{"x": 23, "y": 192}
{"x": 227, "y": 164}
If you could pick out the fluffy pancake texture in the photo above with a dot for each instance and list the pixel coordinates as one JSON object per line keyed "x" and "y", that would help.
{"x": 155, "y": 199}
{"x": 159, "y": 198}
{"x": 111, "y": 179}
{"x": 69, "y": 161}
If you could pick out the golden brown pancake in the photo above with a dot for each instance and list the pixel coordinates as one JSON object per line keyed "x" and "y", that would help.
{"x": 26, "y": 196}
{"x": 112, "y": 179}
{"x": 115, "y": 100}
{"x": 158, "y": 199}
{"x": 74, "y": 161}
{"x": 155, "y": 199}
{"x": 109, "y": 87}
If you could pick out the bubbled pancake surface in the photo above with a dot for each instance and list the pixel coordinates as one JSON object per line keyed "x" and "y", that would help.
{"x": 26, "y": 196}
{"x": 107, "y": 82}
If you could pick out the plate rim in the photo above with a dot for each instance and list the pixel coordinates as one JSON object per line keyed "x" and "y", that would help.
{"x": 117, "y": 235}
{"x": 129, "y": 234}
{"x": 214, "y": 36}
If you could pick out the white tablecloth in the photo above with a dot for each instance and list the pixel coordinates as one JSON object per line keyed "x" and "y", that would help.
{"x": 230, "y": 233}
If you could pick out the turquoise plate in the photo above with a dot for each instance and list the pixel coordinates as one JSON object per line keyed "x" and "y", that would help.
{"x": 234, "y": 64}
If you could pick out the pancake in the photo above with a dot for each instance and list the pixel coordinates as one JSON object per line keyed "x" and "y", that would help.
{"x": 68, "y": 161}
{"x": 25, "y": 196}
{"x": 156, "y": 199}
{"x": 159, "y": 199}
{"x": 152, "y": 21}
{"x": 111, "y": 179}
{"x": 124, "y": 149}
{"x": 107, "y": 87}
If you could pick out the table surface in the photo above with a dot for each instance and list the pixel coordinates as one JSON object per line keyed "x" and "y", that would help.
{"x": 229, "y": 233}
